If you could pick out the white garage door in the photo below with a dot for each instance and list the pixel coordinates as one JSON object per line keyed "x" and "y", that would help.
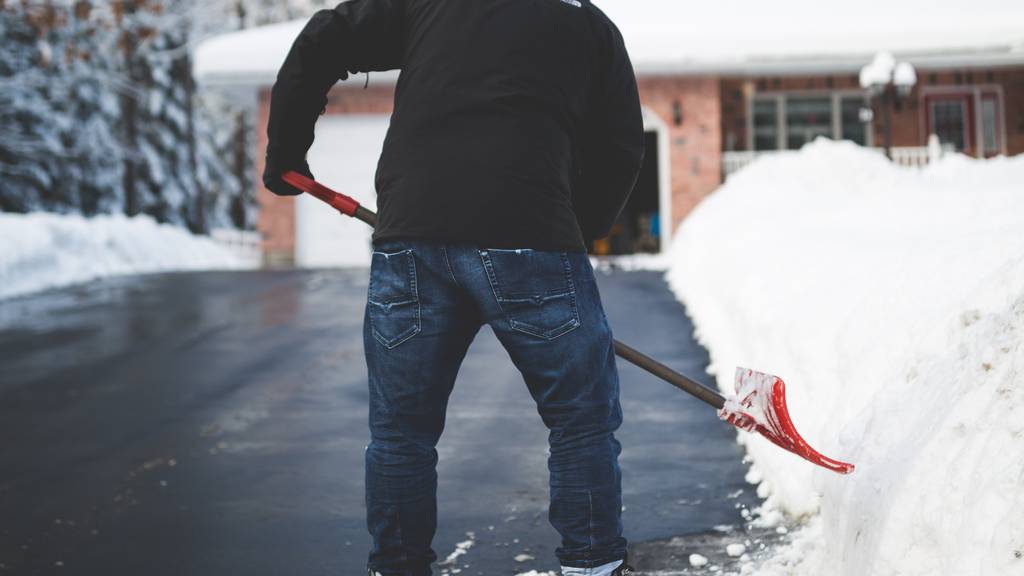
{"x": 343, "y": 157}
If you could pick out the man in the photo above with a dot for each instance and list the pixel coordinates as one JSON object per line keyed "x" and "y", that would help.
{"x": 516, "y": 138}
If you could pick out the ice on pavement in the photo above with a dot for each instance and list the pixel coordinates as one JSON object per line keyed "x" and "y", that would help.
{"x": 44, "y": 250}
{"x": 891, "y": 300}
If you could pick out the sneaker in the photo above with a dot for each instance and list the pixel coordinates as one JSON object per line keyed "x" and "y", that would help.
{"x": 624, "y": 570}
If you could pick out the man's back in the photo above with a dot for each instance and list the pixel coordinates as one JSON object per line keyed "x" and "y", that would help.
{"x": 516, "y": 135}
{"x": 516, "y": 122}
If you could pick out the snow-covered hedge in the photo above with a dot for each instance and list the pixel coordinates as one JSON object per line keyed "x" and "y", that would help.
{"x": 42, "y": 250}
{"x": 891, "y": 300}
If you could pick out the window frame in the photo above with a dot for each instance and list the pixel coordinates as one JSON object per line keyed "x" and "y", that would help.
{"x": 780, "y": 97}
{"x": 963, "y": 100}
{"x": 974, "y": 94}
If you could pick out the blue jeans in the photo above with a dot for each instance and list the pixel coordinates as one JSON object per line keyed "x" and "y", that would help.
{"x": 427, "y": 300}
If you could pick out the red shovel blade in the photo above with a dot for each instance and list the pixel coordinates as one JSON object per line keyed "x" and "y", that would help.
{"x": 760, "y": 406}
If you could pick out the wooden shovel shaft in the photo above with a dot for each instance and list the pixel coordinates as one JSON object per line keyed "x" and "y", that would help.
{"x": 681, "y": 381}
{"x": 624, "y": 351}
{"x": 368, "y": 216}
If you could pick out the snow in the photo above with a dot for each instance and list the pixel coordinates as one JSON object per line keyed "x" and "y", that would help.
{"x": 696, "y": 560}
{"x": 735, "y": 550}
{"x": 879, "y": 71}
{"x": 726, "y": 36}
{"x": 461, "y": 549}
{"x": 904, "y": 75}
{"x": 890, "y": 299}
{"x": 249, "y": 53}
{"x": 45, "y": 250}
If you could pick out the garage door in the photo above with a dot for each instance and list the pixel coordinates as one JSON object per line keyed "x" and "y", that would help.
{"x": 343, "y": 157}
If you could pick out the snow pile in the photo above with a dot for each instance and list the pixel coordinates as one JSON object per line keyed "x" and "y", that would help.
{"x": 42, "y": 250}
{"x": 891, "y": 300}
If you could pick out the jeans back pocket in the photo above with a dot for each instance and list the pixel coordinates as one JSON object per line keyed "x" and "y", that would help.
{"x": 394, "y": 304}
{"x": 534, "y": 290}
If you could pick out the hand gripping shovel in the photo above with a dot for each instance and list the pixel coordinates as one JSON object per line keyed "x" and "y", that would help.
{"x": 758, "y": 406}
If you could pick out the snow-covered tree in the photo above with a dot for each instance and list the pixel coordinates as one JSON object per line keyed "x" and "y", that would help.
{"x": 59, "y": 150}
{"x": 100, "y": 113}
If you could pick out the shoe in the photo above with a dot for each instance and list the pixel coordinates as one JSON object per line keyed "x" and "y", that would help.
{"x": 624, "y": 570}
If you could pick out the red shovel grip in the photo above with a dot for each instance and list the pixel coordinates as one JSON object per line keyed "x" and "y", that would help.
{"x": 339, "y": 201}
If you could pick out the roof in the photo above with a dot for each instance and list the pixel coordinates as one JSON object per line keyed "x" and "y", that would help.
{"x": 731, "y": 37}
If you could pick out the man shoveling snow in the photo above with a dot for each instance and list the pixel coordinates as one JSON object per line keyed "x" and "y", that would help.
{"x": 516, "y": 138}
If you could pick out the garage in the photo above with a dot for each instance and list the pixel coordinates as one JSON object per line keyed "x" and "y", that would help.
{"x": 639, "y": 228}
{"x": 344, "y": 157}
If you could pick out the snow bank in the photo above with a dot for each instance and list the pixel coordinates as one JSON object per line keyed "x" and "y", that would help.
{"x": 891, "y": 300}
{"x": 43, "y": 250}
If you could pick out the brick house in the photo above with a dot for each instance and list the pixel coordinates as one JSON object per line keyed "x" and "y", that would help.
{"x": 708, "y": 110}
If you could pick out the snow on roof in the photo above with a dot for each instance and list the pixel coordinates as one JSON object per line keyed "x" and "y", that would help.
{"x": 732, "y": 37}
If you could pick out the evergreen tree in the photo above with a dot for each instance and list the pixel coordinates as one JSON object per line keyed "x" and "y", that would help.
{"x": 100, "y": 112}
{"x": 59, "y": 151}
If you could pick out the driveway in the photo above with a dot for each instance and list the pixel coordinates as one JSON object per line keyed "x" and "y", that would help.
{"x": 214, "y": 423}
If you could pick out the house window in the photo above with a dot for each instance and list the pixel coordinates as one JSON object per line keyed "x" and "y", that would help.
{"x": 789, "y": 121}
{"x": 851, "y": 120}
{"x": 990, "y": 132}
{"x": 949, "y": 121}
{"x": 766, "y": 124}
{"x": 968, "y": 118}
{"x": 806, "y": 119}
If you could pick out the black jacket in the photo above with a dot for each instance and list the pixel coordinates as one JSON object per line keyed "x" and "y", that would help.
{"x": 517, "y": 123}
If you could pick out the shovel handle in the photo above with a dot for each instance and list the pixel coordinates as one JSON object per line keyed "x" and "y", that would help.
{"x": 681, "y": 381}
{"x": 350, "y": 207}
{"x": 344, "y": 204}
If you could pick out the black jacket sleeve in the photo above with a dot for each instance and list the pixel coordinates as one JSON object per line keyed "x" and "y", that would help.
{"x": 356, "y": 36}
{"x": 612, "y": 147}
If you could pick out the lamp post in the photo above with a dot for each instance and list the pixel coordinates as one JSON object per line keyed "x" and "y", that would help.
{"x": 890, "y": 82}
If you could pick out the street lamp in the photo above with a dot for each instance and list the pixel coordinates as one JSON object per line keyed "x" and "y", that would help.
{"x": 891, "y": 81}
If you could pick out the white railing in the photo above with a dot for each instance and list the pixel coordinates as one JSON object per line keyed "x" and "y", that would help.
{"x": 911, "y": 156}
{"x": 733, "y": 162}
{"x": 244, "y": 244}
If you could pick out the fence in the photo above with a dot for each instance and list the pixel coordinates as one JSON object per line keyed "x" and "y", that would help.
{"x": 242, "y": 243}
{"x": 911, "y": 156}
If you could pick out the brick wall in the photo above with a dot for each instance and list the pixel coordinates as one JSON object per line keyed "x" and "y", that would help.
{"x": 276, "y": 220}
{"x": 695, "y": 141}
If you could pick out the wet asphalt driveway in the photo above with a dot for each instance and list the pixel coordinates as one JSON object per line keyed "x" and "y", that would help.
{"x": 214, "y": 424}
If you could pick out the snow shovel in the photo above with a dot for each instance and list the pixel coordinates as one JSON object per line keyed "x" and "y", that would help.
{"x": 759, "y": 404}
